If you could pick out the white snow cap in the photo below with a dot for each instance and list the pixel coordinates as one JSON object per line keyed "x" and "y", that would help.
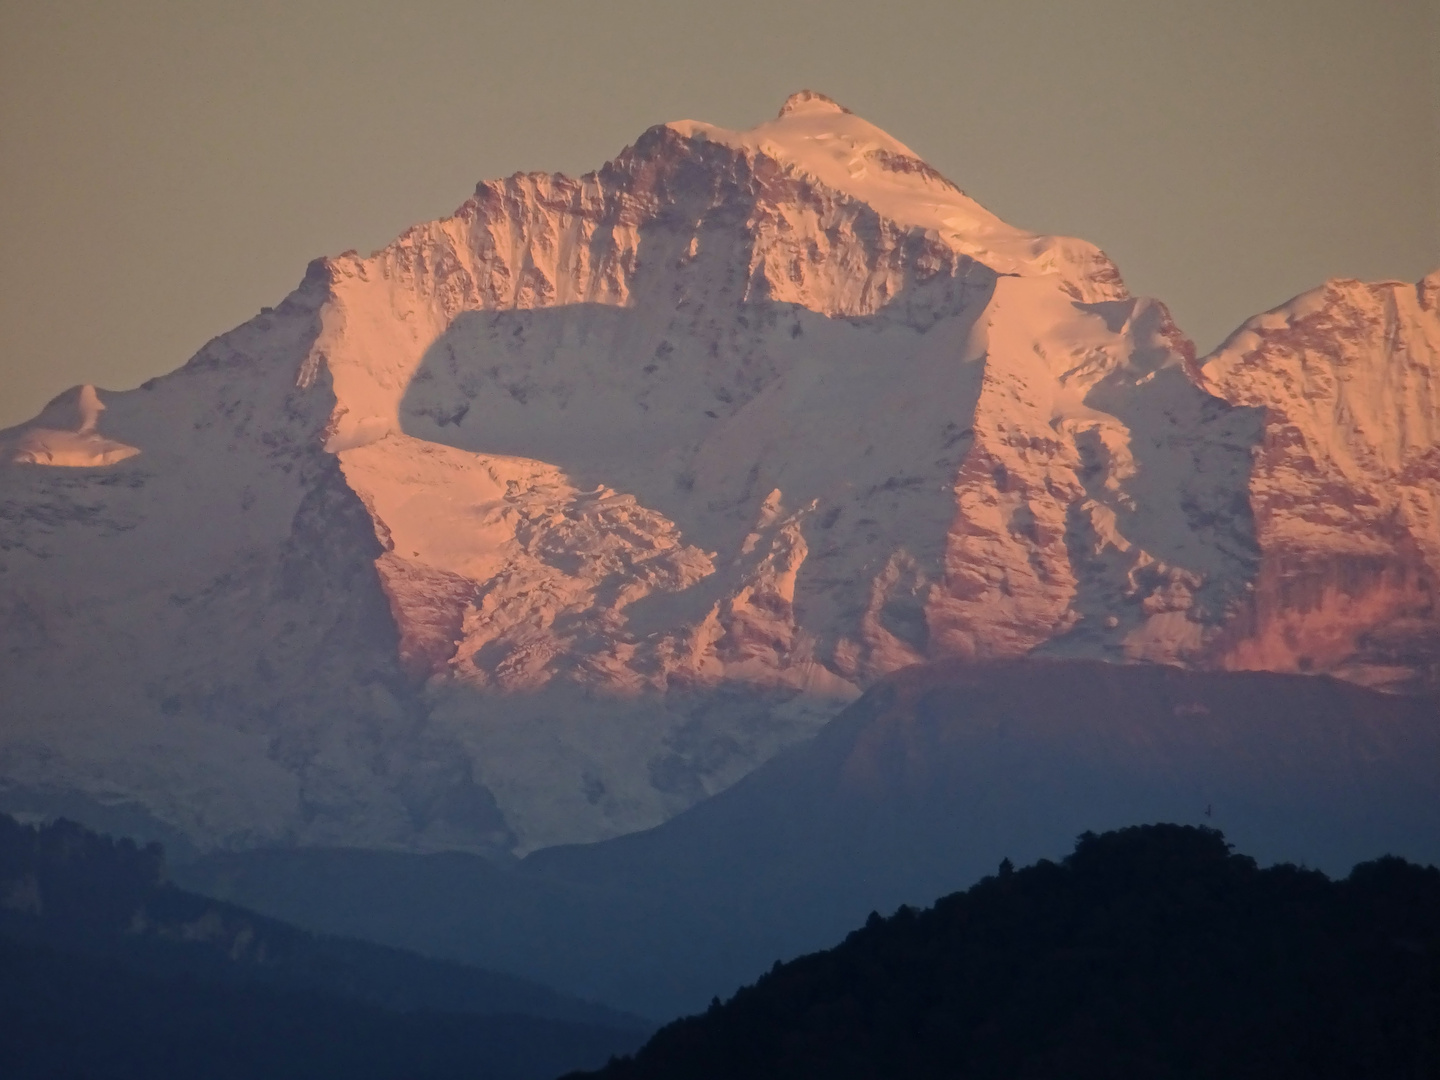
{"x": 816, "y": 136}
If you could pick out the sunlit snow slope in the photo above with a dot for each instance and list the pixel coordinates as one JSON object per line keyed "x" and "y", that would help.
{"x": 561, "y": 513}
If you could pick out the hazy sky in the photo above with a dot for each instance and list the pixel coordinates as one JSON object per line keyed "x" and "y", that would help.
{"x": 167, "y": 168}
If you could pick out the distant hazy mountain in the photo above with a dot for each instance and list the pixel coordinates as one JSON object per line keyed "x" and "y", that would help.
{"x": 1148, "y": 952}
{"x": 916, "y": 790}
{"x": 108, "y": 970}
{"x": 562, "y": 513}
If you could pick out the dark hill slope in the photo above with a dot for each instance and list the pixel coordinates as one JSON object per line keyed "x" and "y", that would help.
{"x": 108, "y": 970}
{"x": 65, "y": 1016}
{"x": 946, "y": 768}
{"x": 1149, "y": 952}
{"x": 64, "y": 886}
{"x": 916, "y": 790}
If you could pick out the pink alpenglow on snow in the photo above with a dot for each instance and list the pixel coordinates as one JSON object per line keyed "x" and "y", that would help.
{"x": 561, "y": 513}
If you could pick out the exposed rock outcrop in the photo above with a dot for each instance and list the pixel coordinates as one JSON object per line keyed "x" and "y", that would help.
{"x": 1346, "y": 482}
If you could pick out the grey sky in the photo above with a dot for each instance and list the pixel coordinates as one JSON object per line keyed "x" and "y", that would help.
{"x": 167, "y": 167}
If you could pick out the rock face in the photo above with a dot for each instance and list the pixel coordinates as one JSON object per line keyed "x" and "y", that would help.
{"x": 564, "y": 512}
{"x": 1346, "y": 482}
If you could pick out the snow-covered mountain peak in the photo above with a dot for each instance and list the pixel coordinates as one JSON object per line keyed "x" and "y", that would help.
{"x": 66, "y": 432}
{"x": 556, "y": 515}
{"x": 818, "y": 139}
{"x": 77, "y": 409}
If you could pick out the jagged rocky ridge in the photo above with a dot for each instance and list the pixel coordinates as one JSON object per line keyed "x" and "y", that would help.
{"x": 561, "y": 513}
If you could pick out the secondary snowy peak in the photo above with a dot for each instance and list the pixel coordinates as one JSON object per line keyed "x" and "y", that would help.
{"x": 66, "y": 433}
{"x": 1346, "y": 482}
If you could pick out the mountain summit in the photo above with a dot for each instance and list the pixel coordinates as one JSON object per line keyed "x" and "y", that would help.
{"x": 810, "y": 101}
{"x": 559, "y": 514}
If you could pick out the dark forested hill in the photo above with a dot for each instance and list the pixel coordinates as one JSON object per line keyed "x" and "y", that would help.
{"x": 1149, "y": 952}
{"x": 106, "y": 970}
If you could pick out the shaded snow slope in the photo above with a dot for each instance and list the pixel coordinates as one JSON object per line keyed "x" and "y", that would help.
{"x": 562, "y": 513}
